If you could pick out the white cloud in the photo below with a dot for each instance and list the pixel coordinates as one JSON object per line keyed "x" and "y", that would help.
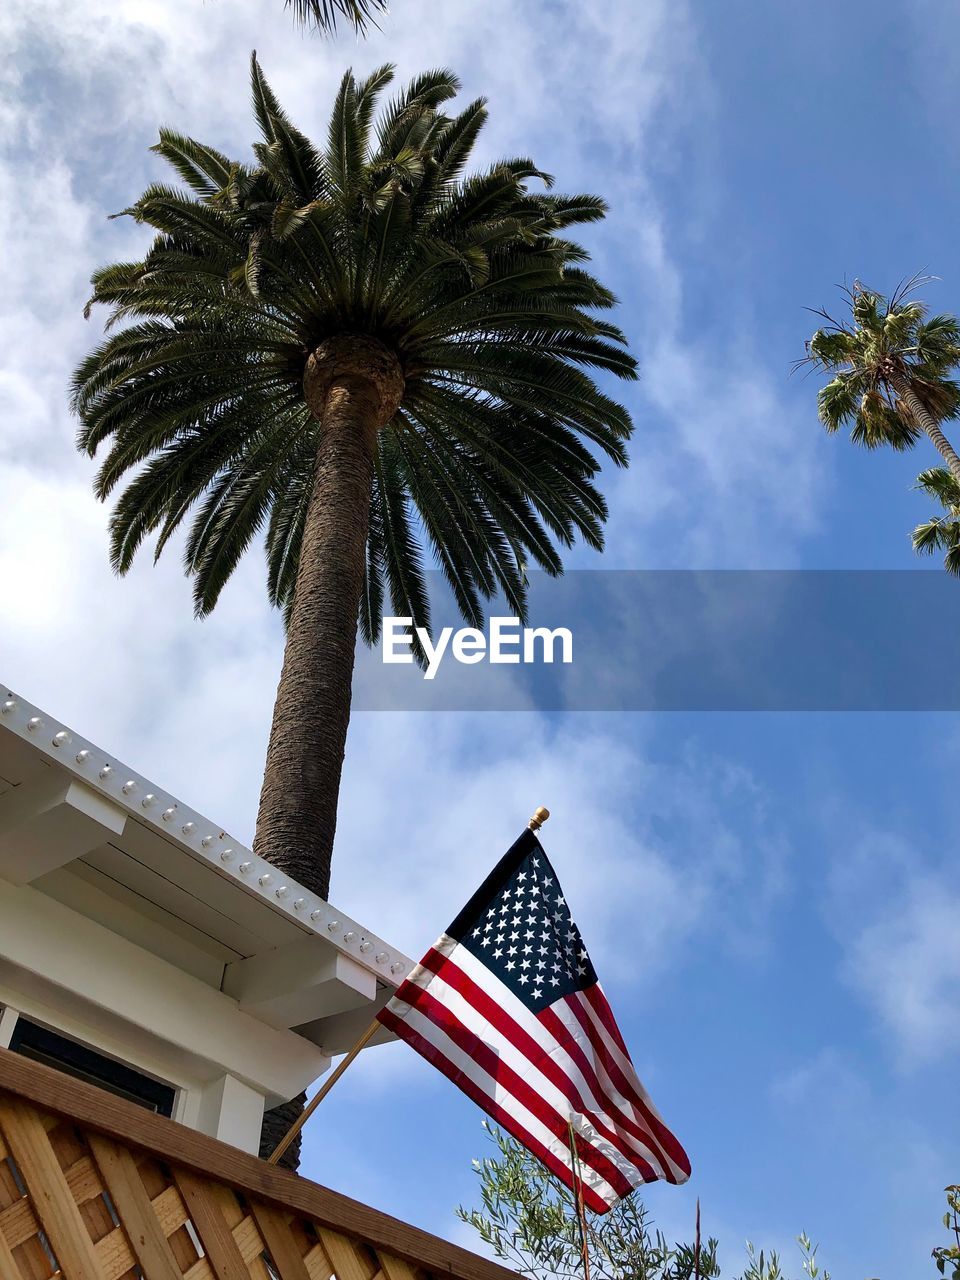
{"x": 894, "y": 910}
{"x": 906, "y": 961}
{"x": 825, "y": 1084}
{"x": 650, "y": 853}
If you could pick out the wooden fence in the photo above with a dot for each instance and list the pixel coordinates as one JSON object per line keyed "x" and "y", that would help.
{"x": 93, "y": 1187}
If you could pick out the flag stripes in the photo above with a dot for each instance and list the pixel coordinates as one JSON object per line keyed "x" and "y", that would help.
{"x": 521, "y": 1058}
{"x": 521, "y": 1111}
{"x": 570, "y": 1069}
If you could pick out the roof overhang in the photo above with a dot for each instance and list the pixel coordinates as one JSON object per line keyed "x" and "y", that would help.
{"x": 82, "y": 827}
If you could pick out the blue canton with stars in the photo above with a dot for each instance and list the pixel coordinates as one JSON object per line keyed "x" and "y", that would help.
{"x": 518, "y": 924}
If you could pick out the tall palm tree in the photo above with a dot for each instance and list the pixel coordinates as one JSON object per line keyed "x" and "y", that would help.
{"x": 325, "y": 15}
{"x": 942, "y": 533}
{"x": 891, "y": 368}
{"x": 354, "y": 349}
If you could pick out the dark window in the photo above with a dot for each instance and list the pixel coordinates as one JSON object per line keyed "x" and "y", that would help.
{"x": 36, "y": 1042}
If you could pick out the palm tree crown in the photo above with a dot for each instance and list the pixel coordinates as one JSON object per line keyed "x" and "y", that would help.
{"x": 891, "y": 368}
{"x": 941, "y": 533}
{"x": 468, "y": 281}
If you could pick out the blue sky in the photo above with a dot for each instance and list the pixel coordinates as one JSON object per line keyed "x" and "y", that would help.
{"x": 770, "y": 899}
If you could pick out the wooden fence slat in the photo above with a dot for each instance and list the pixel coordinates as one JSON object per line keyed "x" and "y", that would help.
{"x": 280, "y": 1242}
{"x": 348, "y": 1262}
{"x": 83, "y": 1180}
{"x": 48, "y": 1189}
{"x": 223, "y": 1255}
{"x": 114, "y": 1254}
{"x": 119, "y": 1172}
{"x": 201, "y": 1270}
{"x": 18, "y": 1223}
{"x": 250, "y": 1243}
{"x": 8, "y": 1266}
{"x": 396, "y": 1268}
{"x": 243, "y": 1229}
{"x": 318, "y": 1264}
{"x": 170, "y": 1210}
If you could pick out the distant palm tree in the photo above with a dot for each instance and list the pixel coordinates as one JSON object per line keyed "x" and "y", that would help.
{"x": 354, "y": 350}
{"x": 942, "y": 533}
{"x": 891, "y": 371}
{"x": 326, "y": 14}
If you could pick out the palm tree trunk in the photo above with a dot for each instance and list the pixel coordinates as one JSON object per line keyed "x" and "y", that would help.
{"x": 927, "y": 421}
{"x": 277, "y": 1123}
{"x": 301, "y": 782}
{"x": 298, "y": 803}
{"x": 353, "y": 387}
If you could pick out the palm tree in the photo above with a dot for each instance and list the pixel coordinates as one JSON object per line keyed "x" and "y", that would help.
{"x": 891, "y": 369}
{"x": 358, "y": 351}
{"x": 942, "y": 533}
{"x": 326, "y": 14}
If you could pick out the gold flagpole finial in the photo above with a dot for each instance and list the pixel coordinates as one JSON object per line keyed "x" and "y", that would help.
{"x": 538, "y": 819}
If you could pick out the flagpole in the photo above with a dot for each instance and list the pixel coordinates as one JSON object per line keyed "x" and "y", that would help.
{"x": 321, "y": 1093}
{"x": 536, "y": 822}
{"x": 578, "y": 1197}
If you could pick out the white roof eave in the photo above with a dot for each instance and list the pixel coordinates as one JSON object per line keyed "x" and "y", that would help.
{"x": 154, "y": 808}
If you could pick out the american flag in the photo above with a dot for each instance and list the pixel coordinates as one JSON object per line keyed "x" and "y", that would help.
{"x": 507, "y": 1004}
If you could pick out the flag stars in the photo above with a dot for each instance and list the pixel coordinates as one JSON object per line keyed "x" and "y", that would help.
{"x": 528, "y": 938}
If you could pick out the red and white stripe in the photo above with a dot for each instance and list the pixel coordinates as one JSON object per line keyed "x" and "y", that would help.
{"x": 537, "y": 1073}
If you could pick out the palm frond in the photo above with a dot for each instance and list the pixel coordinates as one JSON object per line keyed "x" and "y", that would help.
{"x": 326, "y": 15}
